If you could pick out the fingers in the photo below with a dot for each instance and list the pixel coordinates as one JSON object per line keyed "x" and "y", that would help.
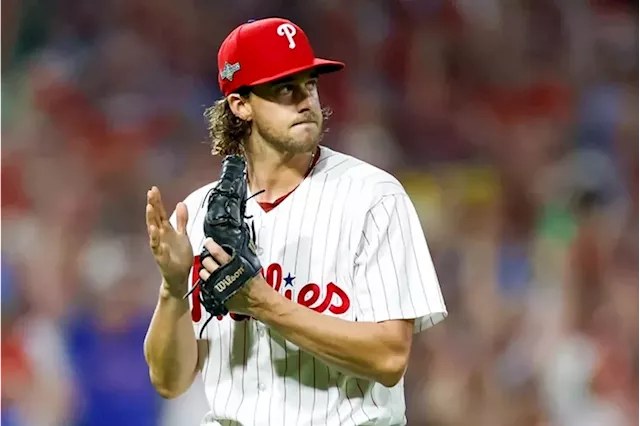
{"x": 208, "y": 266}
{"x": 182, "y": 217}
{"x": 218, "y": 257}
{"x": 154, "y": 238}
{"x": 204, "y": 275}
{"x": 151, "y": 215}
{"x": 156, "y": 201}
{"x": 218, "y": 253}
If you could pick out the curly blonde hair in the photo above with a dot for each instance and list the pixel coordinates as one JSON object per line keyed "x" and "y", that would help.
{"x": 227, "y": 132}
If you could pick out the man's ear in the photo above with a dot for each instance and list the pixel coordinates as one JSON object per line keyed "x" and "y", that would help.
{"x": 240, "y": 106}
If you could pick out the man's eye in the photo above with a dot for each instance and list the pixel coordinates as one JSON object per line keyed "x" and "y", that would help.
{"x": 312, "y": 84}
{"x": 285, "y": 89}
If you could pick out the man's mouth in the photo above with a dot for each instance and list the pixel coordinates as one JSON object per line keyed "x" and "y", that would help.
{"x": 304, "y": 122}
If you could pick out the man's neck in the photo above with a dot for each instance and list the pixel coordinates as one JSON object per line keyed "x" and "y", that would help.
{"x": 276, "y": 173}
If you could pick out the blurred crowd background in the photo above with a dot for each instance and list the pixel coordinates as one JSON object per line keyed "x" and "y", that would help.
{"x": 512, "y": 123}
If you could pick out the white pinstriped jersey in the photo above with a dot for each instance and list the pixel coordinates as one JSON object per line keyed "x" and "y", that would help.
{"x": 346, "y": 242}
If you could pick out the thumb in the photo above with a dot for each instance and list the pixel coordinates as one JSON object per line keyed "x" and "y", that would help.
{"x": 182, "y": 217}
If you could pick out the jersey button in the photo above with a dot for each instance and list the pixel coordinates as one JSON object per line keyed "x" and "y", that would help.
{"x": 261, "y": 387}
{"x": 261, "y": 332}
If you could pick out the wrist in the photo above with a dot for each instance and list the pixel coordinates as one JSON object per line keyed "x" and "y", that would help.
{"x": 262, "y": 299}
{"x": 267, "y": 304}
{"x": 172, "y": 292}
{"x": 171, "y": 303}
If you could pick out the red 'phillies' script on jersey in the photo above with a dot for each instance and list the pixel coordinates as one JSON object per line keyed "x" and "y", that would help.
{"x": 308, "y": 295}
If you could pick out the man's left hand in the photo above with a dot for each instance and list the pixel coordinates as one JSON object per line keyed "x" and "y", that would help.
{"x": 250, "y": 296}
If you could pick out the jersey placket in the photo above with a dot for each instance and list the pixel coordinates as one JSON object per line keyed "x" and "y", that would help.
{"x": 265, "y": 409}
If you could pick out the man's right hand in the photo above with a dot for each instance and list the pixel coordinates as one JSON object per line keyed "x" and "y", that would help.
{"x": 171, "y": 247}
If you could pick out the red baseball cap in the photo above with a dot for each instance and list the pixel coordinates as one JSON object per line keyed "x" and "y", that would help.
{"x": 265, "y": 50}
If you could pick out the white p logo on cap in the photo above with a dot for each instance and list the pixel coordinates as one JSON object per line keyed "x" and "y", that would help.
{"x": 288, "y": 31}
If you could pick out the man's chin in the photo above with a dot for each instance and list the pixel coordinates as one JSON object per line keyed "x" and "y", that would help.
{"x": 308, "y": 145}
{"x": 304, "y": 143}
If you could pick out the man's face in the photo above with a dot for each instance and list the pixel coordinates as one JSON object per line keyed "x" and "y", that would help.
{"x": 287, "y": 113}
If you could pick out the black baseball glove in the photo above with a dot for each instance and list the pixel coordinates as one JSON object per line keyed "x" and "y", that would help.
{"x": 225, "y": 224}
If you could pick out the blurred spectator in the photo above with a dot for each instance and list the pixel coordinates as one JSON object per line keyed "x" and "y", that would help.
{"x": 103, "y": 338}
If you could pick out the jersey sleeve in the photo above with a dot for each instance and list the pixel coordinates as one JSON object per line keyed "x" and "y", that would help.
{"x": 394, "y": 277}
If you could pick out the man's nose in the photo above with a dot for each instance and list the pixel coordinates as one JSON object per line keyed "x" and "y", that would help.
{"x": 303, "y": 98}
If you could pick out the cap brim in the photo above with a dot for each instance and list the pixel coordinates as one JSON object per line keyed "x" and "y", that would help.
{"x": 323, "y": 66}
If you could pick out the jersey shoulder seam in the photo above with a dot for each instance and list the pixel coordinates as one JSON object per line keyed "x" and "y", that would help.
{"x": 382, "y": 198}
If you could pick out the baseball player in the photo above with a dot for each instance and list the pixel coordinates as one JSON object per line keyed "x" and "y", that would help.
{"x": 322, "y": 335}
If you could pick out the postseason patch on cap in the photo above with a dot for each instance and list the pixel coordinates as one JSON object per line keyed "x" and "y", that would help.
{"x": 229, "y": 70}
